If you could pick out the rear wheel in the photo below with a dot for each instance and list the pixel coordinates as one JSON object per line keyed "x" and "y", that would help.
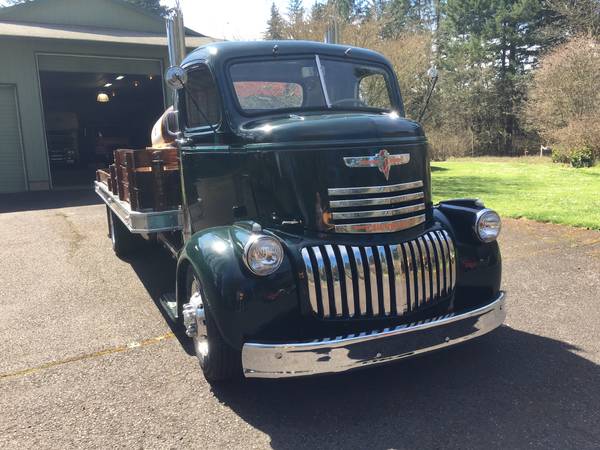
{"x": 218, "y": 360}
{"x": 124, "y": 243}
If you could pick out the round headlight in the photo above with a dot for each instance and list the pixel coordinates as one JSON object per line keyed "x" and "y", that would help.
{"x": 487, "y": 225}
{"x": 263, "y": 255}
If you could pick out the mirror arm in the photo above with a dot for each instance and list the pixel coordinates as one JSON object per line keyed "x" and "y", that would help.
{"x": 428, "y": 97}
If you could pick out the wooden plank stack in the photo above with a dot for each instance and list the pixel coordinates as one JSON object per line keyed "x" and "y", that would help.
{"x": 147, "y": 179}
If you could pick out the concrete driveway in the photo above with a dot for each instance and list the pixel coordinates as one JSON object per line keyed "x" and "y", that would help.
{"x": 87, "y": 359}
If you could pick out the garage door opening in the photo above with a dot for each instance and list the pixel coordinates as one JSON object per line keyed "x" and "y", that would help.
{"x": 89, "y": 115}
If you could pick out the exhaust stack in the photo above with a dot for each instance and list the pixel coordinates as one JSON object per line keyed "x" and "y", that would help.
{"x": 176, "y": 36}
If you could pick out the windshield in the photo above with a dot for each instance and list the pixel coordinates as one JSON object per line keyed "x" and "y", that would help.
{"x": 316, "y": 83}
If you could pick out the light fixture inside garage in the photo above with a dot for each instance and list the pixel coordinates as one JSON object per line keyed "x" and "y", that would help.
{"x": 108, "y": 85}
{"x": 102, "y": 97}
{"x": 120, "y": 77}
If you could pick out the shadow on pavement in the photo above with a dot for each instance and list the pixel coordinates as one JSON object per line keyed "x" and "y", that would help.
{"x": 30, "y": 201}
{"x": 509, "y": 389}
{"x": 156, "y": 270}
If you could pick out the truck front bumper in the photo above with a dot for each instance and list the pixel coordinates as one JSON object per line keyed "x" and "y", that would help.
{"x": 323, "y": 356}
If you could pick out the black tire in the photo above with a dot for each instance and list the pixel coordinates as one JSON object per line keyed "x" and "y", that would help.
{"x": 124, "y": 243}
{"x": 218, "y": 360}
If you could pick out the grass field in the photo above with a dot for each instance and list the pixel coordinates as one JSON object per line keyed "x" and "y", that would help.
{"x": 523, "y": 187}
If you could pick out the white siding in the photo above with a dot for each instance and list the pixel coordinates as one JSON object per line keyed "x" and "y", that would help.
{"x": 12, "y": 176}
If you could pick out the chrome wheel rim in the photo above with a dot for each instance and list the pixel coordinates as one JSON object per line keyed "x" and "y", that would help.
{"x": 201, "y": 338}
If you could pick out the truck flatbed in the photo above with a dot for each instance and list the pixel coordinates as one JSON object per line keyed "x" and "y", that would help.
{"x": 140, "y": 221}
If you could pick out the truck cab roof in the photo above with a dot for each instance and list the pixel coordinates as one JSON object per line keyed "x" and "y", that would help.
{"x": 218, "y": 52}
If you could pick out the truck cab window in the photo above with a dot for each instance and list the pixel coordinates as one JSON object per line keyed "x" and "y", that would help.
{"x": 260, "y": 95}
{"x": 201, "y": 86}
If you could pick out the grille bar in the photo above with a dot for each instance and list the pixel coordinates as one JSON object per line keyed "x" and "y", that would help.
{"x": 376, "y": 201}
{"x": 376, "y": 209}
{"x": 380, "y": 281}
{"x": 375, "y": 189}
{"x": 378, "y": 213}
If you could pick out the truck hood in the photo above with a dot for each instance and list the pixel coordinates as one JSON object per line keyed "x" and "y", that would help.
{"x": 335, "y": 127}
{"x": 299, "y": 166}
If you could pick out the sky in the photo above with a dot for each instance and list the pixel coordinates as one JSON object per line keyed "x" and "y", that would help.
{"x": 229, "y": 19}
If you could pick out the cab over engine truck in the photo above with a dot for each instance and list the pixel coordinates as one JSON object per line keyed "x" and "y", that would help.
{"x": 296, "y": 198}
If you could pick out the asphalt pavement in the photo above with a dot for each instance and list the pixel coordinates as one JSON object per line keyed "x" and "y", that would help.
{"x": 87, "y": 359}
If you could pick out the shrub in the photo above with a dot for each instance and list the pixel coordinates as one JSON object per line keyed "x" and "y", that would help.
{"x": 560, "y": 155}
{"x": 581, "y": 157}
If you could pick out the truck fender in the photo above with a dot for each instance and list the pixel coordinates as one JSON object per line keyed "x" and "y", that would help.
{"x": 240, "y": 302}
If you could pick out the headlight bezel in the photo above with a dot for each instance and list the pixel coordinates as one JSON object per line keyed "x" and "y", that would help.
{"x": 479, "y": 218}
{"x": 254, "y": 240}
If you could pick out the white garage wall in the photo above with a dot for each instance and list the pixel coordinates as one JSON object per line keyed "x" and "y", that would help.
{"x": 12, "y": 173}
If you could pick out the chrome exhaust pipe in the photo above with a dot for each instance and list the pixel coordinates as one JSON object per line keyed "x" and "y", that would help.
{"x": 176, "y": 36}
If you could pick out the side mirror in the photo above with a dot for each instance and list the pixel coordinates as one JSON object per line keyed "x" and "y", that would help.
{"x": 176, "y": 77}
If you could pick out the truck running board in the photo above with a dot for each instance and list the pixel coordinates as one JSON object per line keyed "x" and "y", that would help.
{"x": 168, "y": 302}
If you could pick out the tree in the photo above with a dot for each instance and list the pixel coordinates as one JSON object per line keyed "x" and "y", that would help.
{"x": 577, "y": 17}
{"x": 275, "y": 25}
{"x": 506, "y": 37}
{"x": 564, "y": 98}
{"x": 153, "y": 6}
{"x": 295, "y": 12}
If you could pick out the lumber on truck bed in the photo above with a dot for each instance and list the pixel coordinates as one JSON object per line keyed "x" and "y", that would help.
{"x": 147, "y": 179}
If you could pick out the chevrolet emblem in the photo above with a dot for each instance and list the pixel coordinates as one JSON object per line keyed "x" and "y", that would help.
{"x": 382, "y": 160}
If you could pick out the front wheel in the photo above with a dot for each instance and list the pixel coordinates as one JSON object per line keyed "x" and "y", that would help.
{"x": 218, "y": 360}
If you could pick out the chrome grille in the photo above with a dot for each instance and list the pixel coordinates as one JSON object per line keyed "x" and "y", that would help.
{"x": 379, "y": 281}
{"x": 370, "y": 209}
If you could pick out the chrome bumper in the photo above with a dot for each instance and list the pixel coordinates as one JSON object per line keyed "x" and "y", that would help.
{"x": 351, "y": 352}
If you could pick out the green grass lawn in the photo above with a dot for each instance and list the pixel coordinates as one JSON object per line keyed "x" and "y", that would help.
{"x": 523, "y": 187}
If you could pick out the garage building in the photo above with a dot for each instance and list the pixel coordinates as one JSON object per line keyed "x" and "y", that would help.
{"x": 78, "y": 79}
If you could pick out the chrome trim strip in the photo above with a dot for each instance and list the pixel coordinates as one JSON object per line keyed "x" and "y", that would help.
{"x": 385, "y": 281}
{"x": 410, "y": 303}
{"x": 336, "y": 278}
{"x": 310, "y": 278}
{"x": 362, "y": 286}
{"x": 372, "y": 280}
{"x": 377, "y": 160}
{"x": 322, "y": 274}
{"x": 374, "y": 189}
{"x": 379, "y": 213}
{"x": 381, "y": 227}
{"x": 434, "y": 260}
{"x": 419, "y": 280}
{"x": 348, "y": 280}
{"x": 399, "y": 279}
{"x": 322, "y": 356}
{"x": 377, "y": 201}
{"x": 452, "y": 258}
{"x": 425, "y": 266}
{"x": 322, "y": 79}
{"x": 444, "y": 245}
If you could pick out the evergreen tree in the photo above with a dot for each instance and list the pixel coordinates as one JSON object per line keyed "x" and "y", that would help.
{"x": 295, "y": 12}
{"x": 153, "y": 6}
{"x": 275, "y": 25}
{"x": 504, "y": 37}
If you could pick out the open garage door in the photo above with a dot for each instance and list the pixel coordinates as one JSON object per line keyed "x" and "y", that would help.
{"x": 93, "y": 106}
{"x": 12, "y": 174}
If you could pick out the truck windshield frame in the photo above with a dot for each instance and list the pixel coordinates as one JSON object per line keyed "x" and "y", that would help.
{"x": 300, "y": 84}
